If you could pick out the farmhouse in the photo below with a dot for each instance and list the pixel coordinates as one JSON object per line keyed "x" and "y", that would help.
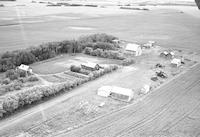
{"x": 176, "y": 62}
{"x": 90, "y": 66}
{"x": 25, "y": 68}
{"x": 122, "y": 94}
{"x": 134, "y": 48}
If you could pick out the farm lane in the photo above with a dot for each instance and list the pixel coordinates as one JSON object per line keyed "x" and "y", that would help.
{"x": 165, "y": 111}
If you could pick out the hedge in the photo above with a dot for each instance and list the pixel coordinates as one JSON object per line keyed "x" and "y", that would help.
{"x": 25, "y": 97}
{"x": 104, "y": 53}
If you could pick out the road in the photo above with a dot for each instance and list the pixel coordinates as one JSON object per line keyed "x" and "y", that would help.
{"x": 173, "y": 110}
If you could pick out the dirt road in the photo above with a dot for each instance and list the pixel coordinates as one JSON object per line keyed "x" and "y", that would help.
{"x": 173, "y": 110}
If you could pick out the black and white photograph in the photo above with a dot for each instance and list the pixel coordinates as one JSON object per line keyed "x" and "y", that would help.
{"x": 99, "y": 68}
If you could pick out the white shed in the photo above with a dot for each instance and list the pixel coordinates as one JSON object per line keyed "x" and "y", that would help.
{"x": 122, "y": 94}
{"x": 104, "y": 91}
{"x": 145, "y": 89}
{"x": 134, "y": 48}
{"x": 90, "y": 66}
{"x": 176, "y": 62}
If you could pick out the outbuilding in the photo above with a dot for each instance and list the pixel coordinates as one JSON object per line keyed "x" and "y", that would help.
{"x": 134, "y": 48}
{"x": 90, "y": 66}
{"x": 176, "y": 62}
{"x": 122, "y": 94}
{"x": 149, "y": 45}
{"x": 25, "y": 68}
{"x": 104, "y": 91}
{"x": 145, "y": 89}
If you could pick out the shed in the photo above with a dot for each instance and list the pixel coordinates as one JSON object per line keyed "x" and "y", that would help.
{"x": 25, "y": 68}
{"x": 167, "y": 54}
{"x": 149, "y": 44}
{"x": 134, "y": 48}
{"x": 122, "y": 94}
{"x": 104, "y": 91}
{"x": 176, "y": 62}
{"x": 90, "y": 66}
{"x": 145, "y": 89}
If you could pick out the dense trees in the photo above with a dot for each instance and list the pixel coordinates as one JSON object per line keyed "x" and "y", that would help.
{"x": 9, "y": 60}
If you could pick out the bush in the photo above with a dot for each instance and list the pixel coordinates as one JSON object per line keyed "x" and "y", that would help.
{"x": 105, "y": 54}
{"x": 6, "y": 81}
{"x": 15, "y": 74}
{"x": 74, "y": 68}
{"x": 33, "y": 79}
{"x": 94, "y": 38}
{"x": 104, "y": 46}
{"x": 128, "y": 61}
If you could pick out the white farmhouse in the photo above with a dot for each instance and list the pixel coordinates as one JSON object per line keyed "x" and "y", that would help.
{"x": 134, "y": 48}
{"x": 25, "y": 68}
{"x": 176, "y": 62}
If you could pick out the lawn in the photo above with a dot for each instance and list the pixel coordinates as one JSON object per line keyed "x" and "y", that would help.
{"x": 62, "y": 63}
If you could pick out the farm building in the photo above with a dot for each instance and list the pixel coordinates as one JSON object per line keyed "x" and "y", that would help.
{"x": 117, "y": 41}
{"x": 145, "y": 89}
{"x": 122, "y": 94}
{"x": 25, "y": 68}
{"x": 176, "y": 62}
{"x": 149, "y": 44}
{"x": 90, "y": 66}
{"x": 167, "y": 55}
{"x": 104, "y": 91}
{"x": 134, "y": 48}
{"x": 118, "y": 93}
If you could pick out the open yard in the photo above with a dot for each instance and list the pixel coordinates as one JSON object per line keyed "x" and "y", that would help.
{"x": 62, "y": 63}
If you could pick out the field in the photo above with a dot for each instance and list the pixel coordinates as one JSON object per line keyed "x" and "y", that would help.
{"x": 26, "y": 26}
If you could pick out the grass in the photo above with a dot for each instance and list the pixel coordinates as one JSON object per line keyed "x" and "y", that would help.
{"x": 62, "y": 63}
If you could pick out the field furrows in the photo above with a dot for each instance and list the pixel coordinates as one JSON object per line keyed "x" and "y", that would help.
{"x": 166, "y": 97}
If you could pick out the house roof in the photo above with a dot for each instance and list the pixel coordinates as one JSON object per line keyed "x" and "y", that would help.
{"x": 152, "y": 42}
{"x": 89, "y": 64}
{"x": 24, "y": 67}
{"x": 176, "y": 61}
{"x": 132, "y": 46}
{"x": 122, "y": 91}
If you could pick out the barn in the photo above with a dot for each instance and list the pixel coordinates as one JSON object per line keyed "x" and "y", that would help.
{"x": 90, "y": 66}
{"x": 122, "y": 94}
{"x": 134, "y": 49}
{"x": 176, "y": 62}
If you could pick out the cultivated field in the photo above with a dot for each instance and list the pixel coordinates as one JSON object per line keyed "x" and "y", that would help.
{"x": 27, "y": 26}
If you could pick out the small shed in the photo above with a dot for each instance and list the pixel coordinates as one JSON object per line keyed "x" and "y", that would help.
{"x": 134, "y": 48}
{"x": 117, "y": 41}
{"x": 168, "y": 55}
{"x": 104, "y": 91}
{"x": 90, "y": 66}
{"x": 176, "y": 62}
{"x": 149, "y": 44}
{"x": 122, "y": 94}
{"x": 145, "y": 89}
{"x": 25, "y": 68}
